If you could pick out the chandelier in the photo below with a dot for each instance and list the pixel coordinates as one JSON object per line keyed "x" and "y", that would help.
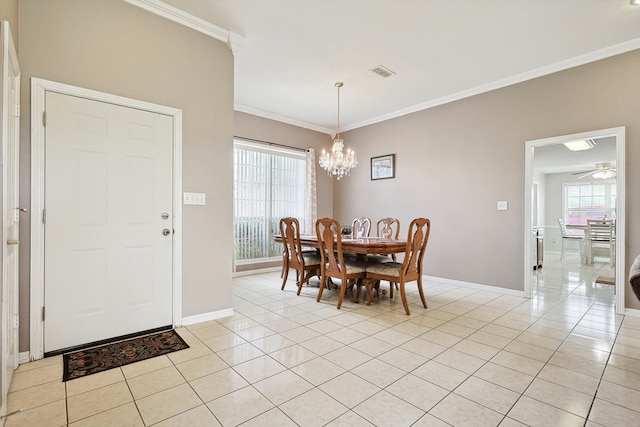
{"x": 337, "y": 162}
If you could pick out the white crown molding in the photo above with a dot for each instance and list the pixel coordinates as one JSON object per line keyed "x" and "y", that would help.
{"x": 518, "y": 78}
{"x": 283, "y": 119}
{"x": 234, "y": 41}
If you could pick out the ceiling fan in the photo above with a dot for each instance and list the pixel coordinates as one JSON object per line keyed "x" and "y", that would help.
{"x": 602, "y": 171}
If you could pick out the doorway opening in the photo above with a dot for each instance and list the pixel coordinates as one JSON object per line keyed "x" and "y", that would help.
{"x": 546, "y": 204}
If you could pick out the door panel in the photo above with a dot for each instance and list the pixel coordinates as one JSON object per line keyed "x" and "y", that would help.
{"x": 108, "y": 179}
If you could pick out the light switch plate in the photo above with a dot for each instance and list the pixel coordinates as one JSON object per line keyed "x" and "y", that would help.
{"x": 194, "y": 198}
{"x": 502, "y": 205}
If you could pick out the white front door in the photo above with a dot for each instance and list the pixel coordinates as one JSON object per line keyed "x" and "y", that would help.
{"x": 108, "y": 221}
{"x": 10, "y": 81}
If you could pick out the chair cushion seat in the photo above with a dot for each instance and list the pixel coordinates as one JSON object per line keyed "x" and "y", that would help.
{"x": 385, "y": 268}
{"x": 355, "y": 267}
{"x": 311, "y": 259}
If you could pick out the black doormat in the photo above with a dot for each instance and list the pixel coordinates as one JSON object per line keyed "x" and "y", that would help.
{"x": 97, "y": 359}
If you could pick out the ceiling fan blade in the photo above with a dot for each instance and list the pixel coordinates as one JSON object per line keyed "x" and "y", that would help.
{"x": 584, "y": 175}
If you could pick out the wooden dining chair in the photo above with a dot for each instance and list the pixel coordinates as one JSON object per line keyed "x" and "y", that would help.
{"x": 411, "y": 268}
{"x": 333, "y": 263}
{"x": 306, "y": 265}
{"x": 361, "y": 227}
{"x": 387, "y": 228}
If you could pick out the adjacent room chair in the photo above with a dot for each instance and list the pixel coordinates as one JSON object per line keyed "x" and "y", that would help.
{"x": 411, "y": 268}
{"x": 566, "y": 237}
{"x": 306, "y": 265}
{"x": 600, "y": 240}
{"x": 333, "y": 263}
{"x": 361, "y": 227}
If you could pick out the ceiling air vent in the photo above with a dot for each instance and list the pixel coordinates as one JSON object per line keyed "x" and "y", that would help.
{"x": 382, "y": 71}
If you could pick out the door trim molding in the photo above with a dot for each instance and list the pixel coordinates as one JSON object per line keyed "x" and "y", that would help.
{"x": 39, "y": 87}
{"x": 619, "y": 133}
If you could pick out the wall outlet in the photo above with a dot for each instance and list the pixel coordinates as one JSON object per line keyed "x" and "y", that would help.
{"x": 502, "y": 205}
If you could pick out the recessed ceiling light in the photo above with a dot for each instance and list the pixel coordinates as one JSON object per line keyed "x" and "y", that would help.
{"x": 635, "y": 2}
{"x": 382, "y": 71}
{"x": 580, "y": 145}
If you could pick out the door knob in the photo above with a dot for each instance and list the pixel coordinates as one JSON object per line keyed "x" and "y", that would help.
{"x": 166, "y": 231}
{"x": 13, "y": 242}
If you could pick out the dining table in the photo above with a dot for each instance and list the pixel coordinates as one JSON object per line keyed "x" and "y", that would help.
{"x": 361, "y": 247}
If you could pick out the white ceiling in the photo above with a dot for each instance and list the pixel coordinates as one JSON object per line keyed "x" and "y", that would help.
{"x": 441, "y": 50}
{"x": 558, "y": 159}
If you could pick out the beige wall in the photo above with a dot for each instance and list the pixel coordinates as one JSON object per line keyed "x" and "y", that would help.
{"x": 113, "y": 47}
{"x": 249, "y": 126}
{"x": 9, "y": 12}
{"x": 455, "y": 161}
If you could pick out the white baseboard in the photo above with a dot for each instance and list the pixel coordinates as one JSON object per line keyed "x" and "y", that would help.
{"x": 24, "y": 357}
{"x": 257, "y": 271}
{"x": 489, "y": 288}
{"x": 205, "y": 317}
{"x": 632, "y": 312}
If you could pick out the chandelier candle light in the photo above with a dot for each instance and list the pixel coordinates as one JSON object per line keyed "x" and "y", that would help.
{"x": 336, "y": 162}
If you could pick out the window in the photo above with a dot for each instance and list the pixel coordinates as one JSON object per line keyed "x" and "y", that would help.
{"x": 269, "y": 183}
{"x": 589, "y": 200}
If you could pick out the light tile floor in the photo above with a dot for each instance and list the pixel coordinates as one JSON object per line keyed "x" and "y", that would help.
{"x": 474, "y": 358}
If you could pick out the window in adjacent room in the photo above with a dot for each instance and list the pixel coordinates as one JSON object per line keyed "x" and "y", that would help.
{"x": 269, "y": 183}
{"x": 589, "y": 200}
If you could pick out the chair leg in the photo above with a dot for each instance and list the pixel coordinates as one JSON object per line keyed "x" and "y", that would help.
{"x": 343, "y": 290}
{"x": 284, "y": 281}
{"x": 564, "y": 242}
{"x": 300, "y": 283}
{"x": 323, "y": 281}
{"x": 404, "y": 299}
{"x": 424, "y": 301}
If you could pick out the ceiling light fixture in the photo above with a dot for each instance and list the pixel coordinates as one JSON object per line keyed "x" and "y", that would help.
{"x": 336, "y": 162}
{"x": 584, "y": 144}
{"x": 604, "y": 174}
{"x": 635, "y": 2}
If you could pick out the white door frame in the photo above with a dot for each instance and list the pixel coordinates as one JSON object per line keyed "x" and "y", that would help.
{"x": 619, "y": 133}
{"x": 10, "y": 153}
{"x": 39, "y": 87}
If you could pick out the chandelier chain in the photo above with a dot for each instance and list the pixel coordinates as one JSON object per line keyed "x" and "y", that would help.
{"x": 339, "y": 85}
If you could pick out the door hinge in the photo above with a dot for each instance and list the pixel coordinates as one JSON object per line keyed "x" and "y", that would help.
{"x": 16, "y": 320}
{"x": 44, "y": 216}
{"x": 44, "y": 118}
{"x": 43, "y": 313}
{"x": 17, "y": 110}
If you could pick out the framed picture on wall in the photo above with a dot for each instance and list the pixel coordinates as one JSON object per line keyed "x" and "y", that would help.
{"x": 383, "y": 167}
